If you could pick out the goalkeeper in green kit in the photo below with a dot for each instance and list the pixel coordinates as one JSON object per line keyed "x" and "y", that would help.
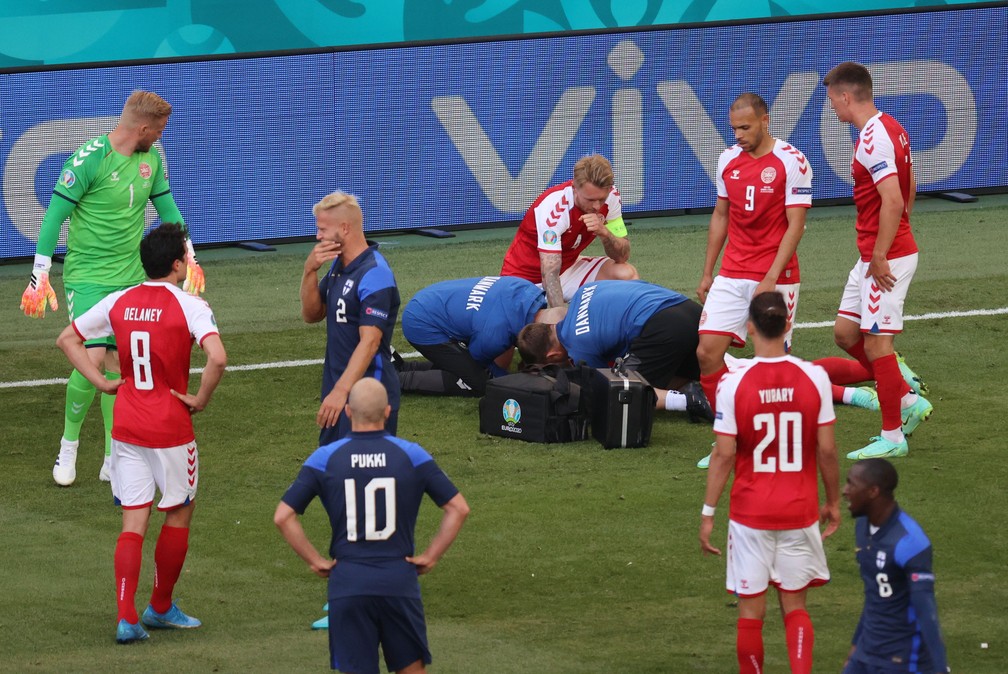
{"x": 104, "y": 188}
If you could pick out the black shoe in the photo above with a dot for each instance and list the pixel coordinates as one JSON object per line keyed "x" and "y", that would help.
{"x": 697, "y": 407}
{"x": 397, "y": 360}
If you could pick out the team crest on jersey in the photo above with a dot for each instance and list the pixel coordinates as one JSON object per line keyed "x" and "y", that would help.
{"x": 880, "y": 559}
{"x": 549, "y": 237}
{"x": 68, "y": 178}
{"x": 768, "y": 175}
{"x": 145, "y": 170}
{"x": 347, "y": 286}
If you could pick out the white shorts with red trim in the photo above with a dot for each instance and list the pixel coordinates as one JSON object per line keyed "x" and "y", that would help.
{"x": 789, "y": 559}
{"x": 726, "y": 310}
{"x": 864, "y": 302}
{"x": 584, "y": 270}
{"x": 137, "y": 471}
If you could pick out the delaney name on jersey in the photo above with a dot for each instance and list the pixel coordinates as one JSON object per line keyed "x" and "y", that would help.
{"x": 141, "y": 314}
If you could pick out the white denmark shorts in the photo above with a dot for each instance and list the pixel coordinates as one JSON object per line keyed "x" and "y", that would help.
{"x": 727, "y": 308}
{"x": 789, "y": 559}
{"x": 137, "y": 471}
{"x": 876, "y": 311}
{"x": 584, "y": 270}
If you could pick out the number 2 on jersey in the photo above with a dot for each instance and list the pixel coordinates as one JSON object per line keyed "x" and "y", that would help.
{"x": 786, "y": 428}
{"x": 386, "y": 485}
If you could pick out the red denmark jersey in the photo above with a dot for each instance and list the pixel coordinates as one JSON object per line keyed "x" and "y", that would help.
{"x": 774, "y": 408}
{"x": 759, "y": 192}
{"x": 553, "y": 225}
{"x": 154, "y": 325}
{"x": 881, "y": 151}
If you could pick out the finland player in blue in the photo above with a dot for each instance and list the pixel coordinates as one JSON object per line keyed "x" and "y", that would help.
{"x": 359, "y": 299}
{"x": 371, "y": 484}
{"x": 652, "y": 328}
{"x": 461, "y": 327}
{"x": 899, "y": 629}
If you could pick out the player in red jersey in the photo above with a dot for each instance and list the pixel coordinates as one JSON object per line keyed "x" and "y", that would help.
{"x": 764, "y": 189}
{"x": 153, "y": 446}
{"x": 774, "y": 426}
{"x": 871, "y": 308}
{"x": 561, "y": 223}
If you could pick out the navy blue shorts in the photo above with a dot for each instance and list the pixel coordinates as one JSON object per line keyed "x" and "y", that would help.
{"x": 342, "y": 428}
{"x": 857, "y": 667}
{"x": 357, "y": 625}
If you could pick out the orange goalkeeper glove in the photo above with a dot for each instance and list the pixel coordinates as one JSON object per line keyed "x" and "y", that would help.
{"x": 39, "y": 292}
{"x": 195, "y": 282}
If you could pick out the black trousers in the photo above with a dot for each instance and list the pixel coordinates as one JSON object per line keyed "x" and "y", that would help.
{"x": 451, "y": 371}
{"x": 666, "y": 347}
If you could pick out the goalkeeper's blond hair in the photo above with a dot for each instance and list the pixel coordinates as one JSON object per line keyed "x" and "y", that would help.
{"x": 145, "y": 106}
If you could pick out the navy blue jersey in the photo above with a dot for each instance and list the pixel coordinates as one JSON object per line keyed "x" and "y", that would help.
{"x": 605, "y": 317}
{"x": 485, "y": 313}
{"x": 899, "y": 623}
{"x": 364, "y": 293}
{"x": 371, "y": 485}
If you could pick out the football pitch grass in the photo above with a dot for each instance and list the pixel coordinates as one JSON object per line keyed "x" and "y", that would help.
{"x": 574, "y": 558}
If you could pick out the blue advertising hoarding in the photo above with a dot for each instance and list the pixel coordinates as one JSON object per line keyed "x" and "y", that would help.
{"x": 471, "y": 133}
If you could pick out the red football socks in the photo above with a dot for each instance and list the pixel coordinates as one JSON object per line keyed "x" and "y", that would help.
{"x": 169, "y": 556}
{"x": 844, "y": 371}
{"x": 128, "y": 554}
{"x": 749, "y": 645}
{"x": 800, "y": 639}
{"x": 890, "y": 387}
{"x": 709, "y": 384}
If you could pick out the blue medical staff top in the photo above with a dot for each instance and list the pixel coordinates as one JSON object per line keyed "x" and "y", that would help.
{"x": 899, "y": 624}
{"x": 363, "y": 293}
{"x": 605, "y": 317}
{"x": 486, "y": 313}
{"x": 371, "y": 484}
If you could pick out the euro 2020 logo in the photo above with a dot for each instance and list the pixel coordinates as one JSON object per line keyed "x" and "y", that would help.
{"x": 512, "y": 411}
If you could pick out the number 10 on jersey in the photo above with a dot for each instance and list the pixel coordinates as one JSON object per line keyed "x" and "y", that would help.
{"x": 387, "y": 487}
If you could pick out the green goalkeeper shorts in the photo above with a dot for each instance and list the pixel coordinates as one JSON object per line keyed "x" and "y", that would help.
{"x": 83, "y": 296}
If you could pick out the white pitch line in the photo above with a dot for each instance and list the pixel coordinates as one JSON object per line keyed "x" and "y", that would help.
{"x": 413, "y": 354}
{"x": 923, "y": 317}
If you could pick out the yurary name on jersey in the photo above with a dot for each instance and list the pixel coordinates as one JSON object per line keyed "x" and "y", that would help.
{"x": 776, "y": 395}
{"x": 475, "y": 299}
{"x": 367, "y": 460}
{"x": 581, "y": 326}
{"x": 142, "y": 314}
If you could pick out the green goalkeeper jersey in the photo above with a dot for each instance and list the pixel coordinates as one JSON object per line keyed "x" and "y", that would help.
{"x": 109, "y": 193}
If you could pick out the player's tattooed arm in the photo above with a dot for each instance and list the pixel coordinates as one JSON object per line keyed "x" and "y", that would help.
{"x": 617, "y": 248}
{"x": 550, "y": 264}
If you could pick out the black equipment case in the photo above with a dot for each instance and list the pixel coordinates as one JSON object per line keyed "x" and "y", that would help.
{"x": 623, "y": 405}
{"x": 538, "y": 405}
